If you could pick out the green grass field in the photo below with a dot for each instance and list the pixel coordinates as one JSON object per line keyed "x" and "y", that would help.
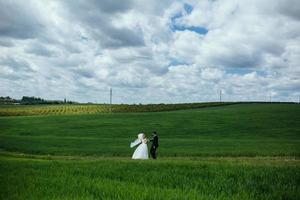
{"x": 169, "y": 178}
{"x": 243, "y": 151}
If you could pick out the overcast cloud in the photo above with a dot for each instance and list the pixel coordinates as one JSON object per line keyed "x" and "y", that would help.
{"x": 150, "y": 51}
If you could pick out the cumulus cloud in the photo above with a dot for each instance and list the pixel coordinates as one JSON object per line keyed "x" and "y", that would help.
{"x": 159, "y": 51}
{"x": 97, "y": 16}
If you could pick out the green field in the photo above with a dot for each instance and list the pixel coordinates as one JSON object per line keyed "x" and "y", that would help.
{"x": 243, "y": 151}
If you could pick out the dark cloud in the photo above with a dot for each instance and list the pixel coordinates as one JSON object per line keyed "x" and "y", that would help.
{"x": 6, "y": 43}
{"x": 290, "y": 8}
{"x": 240, "y": 59}
{"x": 96, "y": 16}
{"x": 84, "y": 73}
{"x": 15, "y": 64}
{"x": 71, "y": 48}
{"x": 97, "y": 6}
{"x": 40, "y": 50}
{"x": 18, "y": 20}
{"x": 122, "y": 37}
{"x": 111, "y": 6}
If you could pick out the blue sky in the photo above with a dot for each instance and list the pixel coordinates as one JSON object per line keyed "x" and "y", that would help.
{"x": 187, "y": 9}
{"x": 155, "y": 52}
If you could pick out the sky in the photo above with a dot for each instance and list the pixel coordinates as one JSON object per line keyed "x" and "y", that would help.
{"x": 157, "y": 51}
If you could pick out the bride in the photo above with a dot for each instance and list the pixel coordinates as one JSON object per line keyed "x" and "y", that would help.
{"x": 141, "y": 151}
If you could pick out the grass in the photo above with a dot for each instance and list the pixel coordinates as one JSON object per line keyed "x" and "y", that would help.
{"x": 104, "y": 178}
{"x": 237, "y": 130}
{"x": 244, "y": 151}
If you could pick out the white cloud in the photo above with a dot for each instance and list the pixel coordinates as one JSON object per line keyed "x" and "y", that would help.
{"x": 80, "y": 49}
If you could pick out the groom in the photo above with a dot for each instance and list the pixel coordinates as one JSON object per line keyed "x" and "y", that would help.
{"x": 154, "y": 145}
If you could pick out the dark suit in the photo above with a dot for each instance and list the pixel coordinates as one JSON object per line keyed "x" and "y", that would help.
{"x": 154, "y": 146}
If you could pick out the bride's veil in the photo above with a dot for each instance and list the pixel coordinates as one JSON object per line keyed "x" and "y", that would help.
{"x": 137, "y": 141}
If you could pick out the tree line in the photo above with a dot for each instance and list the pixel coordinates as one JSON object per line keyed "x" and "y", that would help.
{"x": 26, "y": 100}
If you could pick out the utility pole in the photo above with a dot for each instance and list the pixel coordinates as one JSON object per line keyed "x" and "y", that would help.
{"x": 110, "y": 99}
{"x": 220, "y": 95}
{"x": 270, "y": 97}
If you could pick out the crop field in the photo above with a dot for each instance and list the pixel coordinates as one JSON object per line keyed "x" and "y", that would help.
{"x": 242, "y": 151}
{"x": 20, "y": 110}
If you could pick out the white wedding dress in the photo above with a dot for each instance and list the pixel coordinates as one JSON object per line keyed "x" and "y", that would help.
{"x": 141, "y": 151}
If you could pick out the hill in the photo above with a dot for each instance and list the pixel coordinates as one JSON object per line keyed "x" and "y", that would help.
{"x": 243, "y": 151}
{"x": 236, "y": 130}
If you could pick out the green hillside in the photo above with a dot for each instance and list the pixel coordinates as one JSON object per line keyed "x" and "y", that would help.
{"x": 233, "y": 152}
{"x": 237, "y": 130}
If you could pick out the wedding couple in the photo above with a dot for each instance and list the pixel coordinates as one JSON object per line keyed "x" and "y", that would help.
{"x": 141, "y": 151}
